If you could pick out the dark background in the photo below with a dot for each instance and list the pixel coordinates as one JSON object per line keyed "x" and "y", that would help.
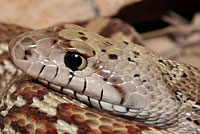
{"x": 146, "y": 16}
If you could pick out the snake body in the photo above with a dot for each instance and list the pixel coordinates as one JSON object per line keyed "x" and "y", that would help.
{"x": 119, "y": 77}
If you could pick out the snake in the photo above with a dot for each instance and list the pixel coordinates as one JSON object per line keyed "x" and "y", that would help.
{"x": 130, "y": 82}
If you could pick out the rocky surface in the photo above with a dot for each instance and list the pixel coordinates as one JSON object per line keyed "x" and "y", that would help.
{"x": 40, "y": 14}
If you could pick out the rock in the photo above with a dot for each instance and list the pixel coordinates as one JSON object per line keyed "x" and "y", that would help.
{"x": 39, "y": 14}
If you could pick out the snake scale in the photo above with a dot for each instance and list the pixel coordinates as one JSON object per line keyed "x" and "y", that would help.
{"x": 122, "y": 78}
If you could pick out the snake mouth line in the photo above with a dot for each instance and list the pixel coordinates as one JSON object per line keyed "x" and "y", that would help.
{"x": 91, "y": 102}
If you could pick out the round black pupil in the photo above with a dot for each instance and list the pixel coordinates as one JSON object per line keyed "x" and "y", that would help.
{"x": 73, "y": 61}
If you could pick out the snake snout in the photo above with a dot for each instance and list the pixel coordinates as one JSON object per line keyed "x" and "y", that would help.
{"x": 22, "y": 52}
{"x": 30, "y": 51}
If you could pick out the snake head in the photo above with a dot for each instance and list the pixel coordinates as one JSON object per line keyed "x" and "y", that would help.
{"x": 72, "y": 60}
{"x": 107, "y": 74}
{"x": 94, "y": 69}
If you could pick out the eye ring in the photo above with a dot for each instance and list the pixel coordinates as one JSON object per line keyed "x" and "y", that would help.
{"x": 75, "y": 61}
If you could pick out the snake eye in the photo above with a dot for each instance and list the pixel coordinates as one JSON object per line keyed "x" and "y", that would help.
{"x": 75, "y": 61}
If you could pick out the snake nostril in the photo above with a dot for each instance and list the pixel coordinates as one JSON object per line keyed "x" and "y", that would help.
{"x": 55, "y": 41}
{"x": 27, "y": 52}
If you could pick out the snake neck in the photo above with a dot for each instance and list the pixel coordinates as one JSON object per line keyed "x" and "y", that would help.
{"x": 184, "y": 81}
{"x": 183, "y": 78}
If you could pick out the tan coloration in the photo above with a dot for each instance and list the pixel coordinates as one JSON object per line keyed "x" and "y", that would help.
{"x": 149, "y": 92}
{"x": 184, "y": 80}
{"x": 113, "y": 28}
{"x": 70, "y": 116}
{"x": 58, "y": 11}
{"x": 18, "y": 118}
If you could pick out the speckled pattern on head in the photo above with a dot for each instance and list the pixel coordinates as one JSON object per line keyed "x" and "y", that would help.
{"x": 120, "y": 77}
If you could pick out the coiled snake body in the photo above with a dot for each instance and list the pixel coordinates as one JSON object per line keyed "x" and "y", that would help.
{"x": 121, "y": 78}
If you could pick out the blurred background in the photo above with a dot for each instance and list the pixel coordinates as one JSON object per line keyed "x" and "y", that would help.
{"x": 168, "y": 27}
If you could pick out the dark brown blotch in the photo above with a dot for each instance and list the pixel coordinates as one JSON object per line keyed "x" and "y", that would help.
{"x": 105, "y": 79}
{"x": 94, "y": 52}
{"x": 103, "y": 50}
{"x": 136, "y": 75}
{"x": 109, "y": 44}
{"x": 136, "y": 53}
{"x": 84, "y": 38}
{"x": 115, "y": 80}
{"x": 184, "y": 75}
{"x": 111, "y": 28}
{"x": 125, "y": 42}
{"x": 81, "y": 33}
{"x": 198, "y": 102}
{"x": 121, "y": 91}
{"x": 161, "y": 61}
{"x": 197, "y": 122}
{"x": 3, "y": 108}
{"x": 112, "y": 56}
{"x": 129, "y": 59}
